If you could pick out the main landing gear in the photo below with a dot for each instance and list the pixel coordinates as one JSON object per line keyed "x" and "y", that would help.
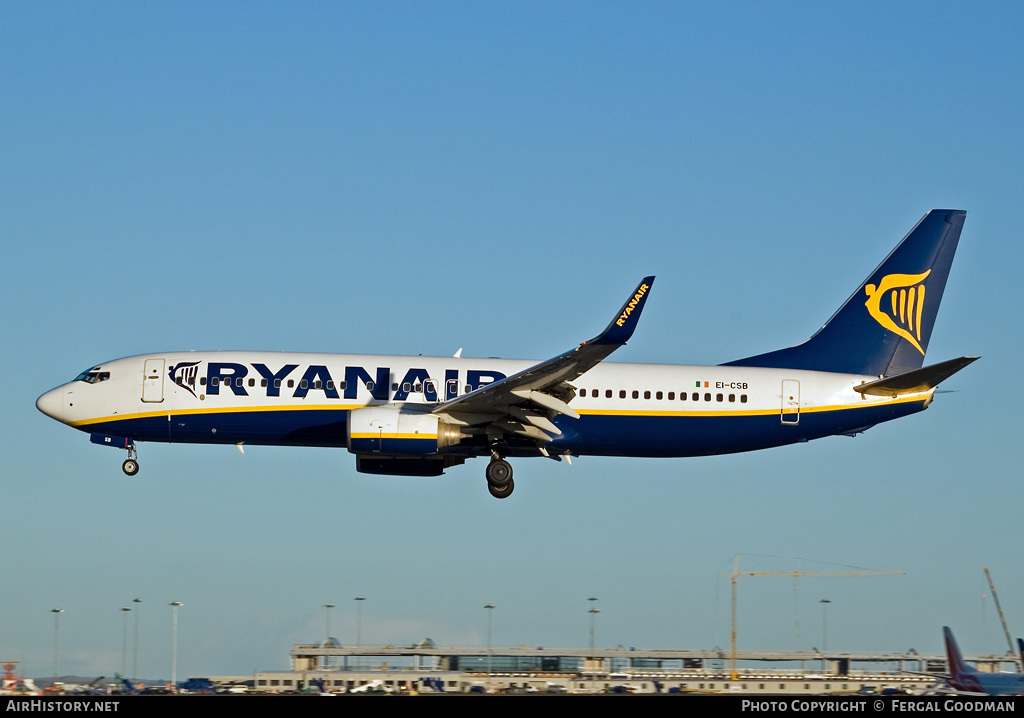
{"x": 499, "y": 478}
{"x": 131, "y": 464}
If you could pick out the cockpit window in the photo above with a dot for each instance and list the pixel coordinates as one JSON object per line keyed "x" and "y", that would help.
{"x": 93, "y": 376}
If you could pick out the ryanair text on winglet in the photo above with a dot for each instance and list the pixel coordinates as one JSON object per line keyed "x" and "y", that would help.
{"x": 632, "y": 305}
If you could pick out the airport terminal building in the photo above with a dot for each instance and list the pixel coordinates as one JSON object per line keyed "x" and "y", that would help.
{"x": 426, "y": 667}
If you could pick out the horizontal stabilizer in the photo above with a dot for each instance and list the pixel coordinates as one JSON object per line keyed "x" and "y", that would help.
{"x": 915, "y": 381}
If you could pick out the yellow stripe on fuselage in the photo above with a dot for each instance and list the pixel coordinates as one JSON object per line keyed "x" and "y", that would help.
{"x": 212, "y": 410}
{"x": 386, "y": 435}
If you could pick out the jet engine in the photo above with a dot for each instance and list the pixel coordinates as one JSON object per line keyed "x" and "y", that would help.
{"x": 394, "y": 431}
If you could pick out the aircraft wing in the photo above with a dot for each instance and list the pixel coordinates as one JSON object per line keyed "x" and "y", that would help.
{"x": 524, "y": 404}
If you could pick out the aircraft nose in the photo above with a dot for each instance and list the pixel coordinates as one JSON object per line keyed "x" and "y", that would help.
{"x": 52, "y": 404}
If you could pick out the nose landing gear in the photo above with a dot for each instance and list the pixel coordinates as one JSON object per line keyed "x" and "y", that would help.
{"x": 131, "y": 464}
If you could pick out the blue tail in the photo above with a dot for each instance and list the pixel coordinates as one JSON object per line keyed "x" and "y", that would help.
{"x": 884, "y": 328}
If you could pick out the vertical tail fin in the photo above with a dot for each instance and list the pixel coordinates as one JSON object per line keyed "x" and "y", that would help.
{"x": 957, "y": 667}
{"x": 884, "y": 328}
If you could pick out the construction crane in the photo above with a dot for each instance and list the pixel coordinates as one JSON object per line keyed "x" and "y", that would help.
{"x": 736, "y": 574}
{"x": 999, "y": 609}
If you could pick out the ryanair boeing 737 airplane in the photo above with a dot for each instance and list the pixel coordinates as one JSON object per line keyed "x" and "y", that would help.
{"x": 417, "y": 416}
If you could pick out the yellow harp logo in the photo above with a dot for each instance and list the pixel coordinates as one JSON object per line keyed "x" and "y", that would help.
{"x": 897, "y": 303}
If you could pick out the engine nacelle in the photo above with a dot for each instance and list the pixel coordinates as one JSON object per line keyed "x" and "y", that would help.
{"x": 390, "y": 431}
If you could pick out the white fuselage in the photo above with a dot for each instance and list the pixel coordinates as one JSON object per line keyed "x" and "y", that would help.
{"x": 304, "y": 399}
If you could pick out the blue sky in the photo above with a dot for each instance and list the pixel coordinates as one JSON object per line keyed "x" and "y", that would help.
{"x": 418, "y": 177}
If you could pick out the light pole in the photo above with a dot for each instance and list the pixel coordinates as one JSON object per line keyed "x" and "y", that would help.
{"x": 124, "y": 640}
{"x": 135, "y": 656}
{"x": 174, "y": 644}
{"x": 593, "y": 613}
{"x": 824, "y": 631}
{"x": 327, "y": 621}
{"x": 56, "y": 641}
{"x": 359, "y": 620}
{"x": 327, "y": 633}
{"x": 490, "y": 608}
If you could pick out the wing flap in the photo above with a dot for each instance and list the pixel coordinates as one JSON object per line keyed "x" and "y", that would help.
{"x": 547, "y": 401}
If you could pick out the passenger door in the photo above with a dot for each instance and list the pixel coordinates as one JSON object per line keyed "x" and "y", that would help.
{"x": 153, "y": 381}
{"x": 790, "y": 401}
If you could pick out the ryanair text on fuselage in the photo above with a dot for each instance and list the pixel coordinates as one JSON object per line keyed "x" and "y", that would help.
{"x": 299, "y": 382}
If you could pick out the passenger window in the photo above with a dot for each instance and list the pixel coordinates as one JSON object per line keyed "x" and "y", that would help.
{"x": 636, "y": 394}
{"x": 671, "y": 395}
{"x": 719, "y": 397}
{"x": 732, "y": 398}
{"x": 647, "y": 395}
{"x": 252, "y": 382}
{"x": 707, "y": 396}
{"x": 291, "y": 383}
{"x": 696, "y": 396}
{"x": 658, "y": 396}
{"x": 743, "y": 398}
{"x": 622, "y": 393}
{"x": 607, "y": 393}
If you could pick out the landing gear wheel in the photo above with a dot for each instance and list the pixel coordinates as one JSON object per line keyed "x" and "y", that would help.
{"x": 130, "y": 467}
{"x": 501, "y": 492}
{"x": 499, "y": 473}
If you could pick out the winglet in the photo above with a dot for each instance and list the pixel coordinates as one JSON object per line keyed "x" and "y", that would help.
{"x": 622, "y": 326}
